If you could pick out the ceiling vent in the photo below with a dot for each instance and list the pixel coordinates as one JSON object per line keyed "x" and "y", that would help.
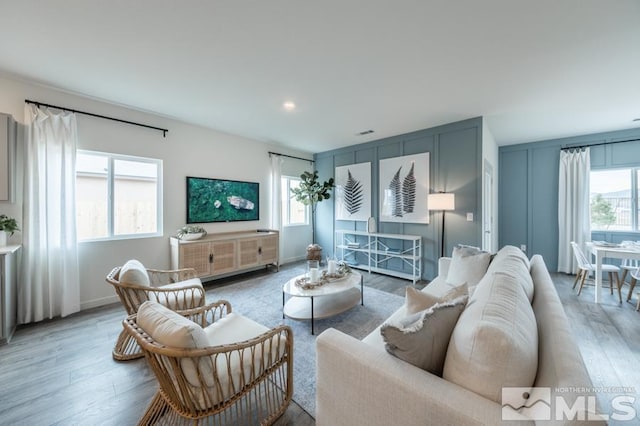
{"x": 365, "y": 132}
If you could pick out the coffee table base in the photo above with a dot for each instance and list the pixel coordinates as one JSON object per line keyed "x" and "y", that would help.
{"x": 318, "y": 307}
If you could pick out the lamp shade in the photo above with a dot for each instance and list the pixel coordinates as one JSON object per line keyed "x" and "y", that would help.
{"x": 441, "y": 201}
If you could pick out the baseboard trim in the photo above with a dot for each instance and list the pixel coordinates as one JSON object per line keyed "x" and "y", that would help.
{"x": 95, "y": 303}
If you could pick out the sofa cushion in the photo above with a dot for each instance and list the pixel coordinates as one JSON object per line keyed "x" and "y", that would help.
{"x": 417, "y": 300}
{"x": 511, "y": 260}
{"x": 421, "y": 339}
{"x": 133, "y": 272}
{"x": 495, "y": 342}
{"x": 467, "y": 266}
{"x": 170, "y": 328}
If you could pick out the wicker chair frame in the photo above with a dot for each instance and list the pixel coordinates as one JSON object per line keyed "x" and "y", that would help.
{"x": 132, "y": 296}
{"x": 258, "y": 392}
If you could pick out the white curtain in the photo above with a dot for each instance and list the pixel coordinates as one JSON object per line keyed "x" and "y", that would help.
{"x": 49, "y": 284}
{"x": 574, "y": 212}
{"x": 276, "y": 196}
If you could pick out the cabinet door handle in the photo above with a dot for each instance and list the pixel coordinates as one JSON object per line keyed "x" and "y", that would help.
{"x": 211, "y": 258}
{"x": 259, "y": 250}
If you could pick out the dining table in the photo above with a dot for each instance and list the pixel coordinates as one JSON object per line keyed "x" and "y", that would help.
{"x": 600, "y": 250}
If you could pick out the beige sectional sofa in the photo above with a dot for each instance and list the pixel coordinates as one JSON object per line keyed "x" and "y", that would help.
{"x": 513, "y": 333}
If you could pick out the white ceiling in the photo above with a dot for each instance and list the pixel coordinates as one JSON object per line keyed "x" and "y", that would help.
{"x": 536, "y": 69}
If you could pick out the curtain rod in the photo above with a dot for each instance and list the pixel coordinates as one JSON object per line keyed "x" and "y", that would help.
{"x": 39, "y": 104}
{"x": 597, "y": 144}
{"x": 290, "y": 156}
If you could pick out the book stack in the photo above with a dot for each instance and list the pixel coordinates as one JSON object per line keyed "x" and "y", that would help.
{"x": 353, "y": 245}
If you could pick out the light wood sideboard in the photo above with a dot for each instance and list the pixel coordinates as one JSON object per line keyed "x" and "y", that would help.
{"x": 226, "y": 253}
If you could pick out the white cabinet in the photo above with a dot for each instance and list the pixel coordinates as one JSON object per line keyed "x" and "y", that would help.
{"x": 221, "y": 254}
{"x": 375, "y": 252}
{"x": 7, "y": 156}
{"x": 8, "y": 291}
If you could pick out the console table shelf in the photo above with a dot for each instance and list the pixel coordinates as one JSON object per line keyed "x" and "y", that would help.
{"x": 378, "y": 249}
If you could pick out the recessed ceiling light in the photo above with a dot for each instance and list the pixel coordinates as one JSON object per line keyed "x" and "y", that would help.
{"x": 289, "y": 106}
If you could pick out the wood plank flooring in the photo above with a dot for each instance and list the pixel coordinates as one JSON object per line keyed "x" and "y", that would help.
{"x": 60, "y": 372}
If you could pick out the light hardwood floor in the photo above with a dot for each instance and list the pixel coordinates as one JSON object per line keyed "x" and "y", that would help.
{"x": 60, "y": 372}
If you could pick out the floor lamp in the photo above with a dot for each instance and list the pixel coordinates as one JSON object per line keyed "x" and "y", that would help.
{"x": 442, "y": 201}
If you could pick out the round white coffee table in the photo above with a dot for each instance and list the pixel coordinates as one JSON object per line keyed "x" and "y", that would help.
{"x": 322, "y": 301}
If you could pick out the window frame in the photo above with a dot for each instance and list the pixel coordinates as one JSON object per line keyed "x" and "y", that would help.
{"x": 111, "y": 158}
{"x": 286, "y": 212}
{"x": 634, "y": 177}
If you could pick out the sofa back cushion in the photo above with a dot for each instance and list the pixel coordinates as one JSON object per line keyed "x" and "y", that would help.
{"x": 495, "y": 341}
{"x": 511, "y": 260}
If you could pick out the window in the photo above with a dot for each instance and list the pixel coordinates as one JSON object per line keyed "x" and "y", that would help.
{"x": 614, "y": 202}
{"x": 117, "y": 196}
{"x": 293, "y": 212}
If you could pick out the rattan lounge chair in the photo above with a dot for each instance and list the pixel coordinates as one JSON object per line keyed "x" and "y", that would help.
{"x": 204, "y": 375}
{"x": 177, "y": 289}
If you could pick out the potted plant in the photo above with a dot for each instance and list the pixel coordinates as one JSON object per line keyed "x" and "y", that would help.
{"x": 191, "y": 232}
{"x": 8, "y": 225}
{"x": 310, "y": 192}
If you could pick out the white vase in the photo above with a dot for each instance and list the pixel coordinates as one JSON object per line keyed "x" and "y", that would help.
{"x": 3, "y": 238}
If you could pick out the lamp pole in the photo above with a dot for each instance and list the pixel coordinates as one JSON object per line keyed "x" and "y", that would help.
{"x": 442, "y": 201}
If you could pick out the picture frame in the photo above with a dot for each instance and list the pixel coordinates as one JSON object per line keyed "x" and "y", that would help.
{"x": 353, "y": 192}
{"x": 403, "y": 189}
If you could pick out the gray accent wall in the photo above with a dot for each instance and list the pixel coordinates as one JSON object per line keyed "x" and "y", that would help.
{"x": 455, "y": 166}
{"x": 528, "y": 188}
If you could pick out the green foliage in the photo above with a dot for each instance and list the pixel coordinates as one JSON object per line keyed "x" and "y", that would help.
{"x": 311, "y": 191}
{"x": 602, "y": 213}
{"x": 190, "y": 229}
{"x": 8, "y": 224}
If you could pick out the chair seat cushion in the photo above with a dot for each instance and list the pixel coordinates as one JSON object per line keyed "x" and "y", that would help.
{"x": 180, "y": 300}
{"x": 233, "y": 328}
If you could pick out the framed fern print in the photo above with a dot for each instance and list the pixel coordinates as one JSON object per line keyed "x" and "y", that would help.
{"x": 404, "y": 185}
{"x": 353, "y": 192}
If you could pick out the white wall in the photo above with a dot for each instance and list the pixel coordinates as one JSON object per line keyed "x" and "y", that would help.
{"x": 187, "y": 150}
{"x": 490, "y": 155}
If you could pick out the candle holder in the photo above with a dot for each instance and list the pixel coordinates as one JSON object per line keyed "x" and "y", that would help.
{"x": 313, "y": 270}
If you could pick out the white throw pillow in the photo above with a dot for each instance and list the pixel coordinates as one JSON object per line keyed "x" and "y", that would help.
{"x": 467, "y": 268}
{"x": 416, "y": 300}
{"x": 422, "y": 339}
{"x": 134, "y": 272}
{"x": 495, "y": 342}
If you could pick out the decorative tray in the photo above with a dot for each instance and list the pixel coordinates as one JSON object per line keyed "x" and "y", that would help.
{"x": 306, "y": 284}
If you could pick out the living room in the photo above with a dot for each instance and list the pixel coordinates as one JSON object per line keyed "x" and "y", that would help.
{"x": 231, "y": 137}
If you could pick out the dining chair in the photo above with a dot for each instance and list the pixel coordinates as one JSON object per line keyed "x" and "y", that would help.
{"x": 585, "y": 268}
{"x": 627, "y": 266}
